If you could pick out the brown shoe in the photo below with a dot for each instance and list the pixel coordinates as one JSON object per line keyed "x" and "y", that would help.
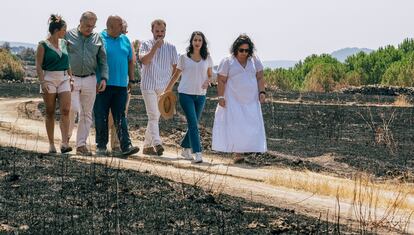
{"x": 159, "y": 149}
{"x": 149, "y": 151}
{"x": 83, "y": 151}
{"x": 238, "y": 158}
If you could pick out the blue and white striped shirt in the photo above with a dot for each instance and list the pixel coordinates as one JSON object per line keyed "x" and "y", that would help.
{"x": 157, "y": 74}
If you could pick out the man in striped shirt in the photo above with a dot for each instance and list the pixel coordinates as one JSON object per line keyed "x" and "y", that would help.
{"x": 159, "y": 60}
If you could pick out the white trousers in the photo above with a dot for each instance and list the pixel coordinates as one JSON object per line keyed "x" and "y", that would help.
{"x": 152, "y": 134}
{"x": 83, "y": 99}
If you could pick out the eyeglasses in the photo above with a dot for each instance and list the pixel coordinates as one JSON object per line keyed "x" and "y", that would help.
{"x": 87, "y": 26}
{"x": 90, "y": 26}
{"x": 241, "y": 50}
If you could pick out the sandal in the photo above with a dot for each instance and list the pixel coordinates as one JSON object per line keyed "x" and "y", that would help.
{"x": 65, "y": 149}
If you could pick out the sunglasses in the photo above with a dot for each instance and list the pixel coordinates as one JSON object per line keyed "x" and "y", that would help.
{"x": 241, "y": 50}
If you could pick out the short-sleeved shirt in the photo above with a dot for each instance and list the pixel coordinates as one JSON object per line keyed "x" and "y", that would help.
{"x": 119, "y": 53}
{"x": 230, "y": 67}
{"x": 157, "y": 74}
{"x": 194, "y": 74}
{"x": 55, "y": 59}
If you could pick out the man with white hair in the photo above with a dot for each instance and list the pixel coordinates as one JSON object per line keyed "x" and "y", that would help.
{"x": 86, "y": 55}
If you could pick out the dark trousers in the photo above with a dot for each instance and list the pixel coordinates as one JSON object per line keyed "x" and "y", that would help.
{"x": 192, "y": 106}
{"x": 113, "y": 98}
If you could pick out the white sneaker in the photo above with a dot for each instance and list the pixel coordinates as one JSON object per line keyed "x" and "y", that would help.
{"x": 198, "y": 158}
{"x": 186, "y": 153}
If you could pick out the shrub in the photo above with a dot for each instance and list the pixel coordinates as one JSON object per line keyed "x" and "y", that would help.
{"x": 10, "y": 67}
{"x": 353, "y": 78}
{"x": 323, "y": 78}
{"x": 281, "y": 78}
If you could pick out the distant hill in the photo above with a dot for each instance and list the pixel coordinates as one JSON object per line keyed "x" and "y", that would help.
{"x": 340, "y": 55}
{"x": 17, "y": 47}
{"x": 20, "y": 44}
{"x": 273, "y": 64}
{"x": 343, "y": 53}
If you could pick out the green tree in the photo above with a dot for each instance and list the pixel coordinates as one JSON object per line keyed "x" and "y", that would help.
{"x": 27, "y": 54}
{"x": 6, "y": 46}
{"x": 352, "y": 78}
{"x": 324, "y": 77}
{"x": 400, "y": 73}
{"x": 407, "y": 46}
{"x": 281, "y": 78}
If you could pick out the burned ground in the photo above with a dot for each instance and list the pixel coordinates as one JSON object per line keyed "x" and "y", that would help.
{"x": 47, "y": 194}
{"x": 366, "y": 132}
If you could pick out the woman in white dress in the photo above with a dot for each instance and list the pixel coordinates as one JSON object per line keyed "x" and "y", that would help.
{"x": 238, "y": 123}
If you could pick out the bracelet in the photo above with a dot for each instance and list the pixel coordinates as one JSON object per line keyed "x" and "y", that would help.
{"x": 262, "y": 92}
{"x": 220, "y": 97}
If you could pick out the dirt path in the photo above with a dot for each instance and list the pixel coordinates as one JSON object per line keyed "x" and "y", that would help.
{"x": 216, "y": 174}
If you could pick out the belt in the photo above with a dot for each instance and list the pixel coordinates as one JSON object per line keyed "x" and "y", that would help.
{"x": 83, "y": 76}
{"x": 65, "y": 72}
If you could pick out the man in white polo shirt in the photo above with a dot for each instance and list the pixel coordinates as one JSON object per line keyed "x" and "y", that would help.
{"x": 159, "y": 59}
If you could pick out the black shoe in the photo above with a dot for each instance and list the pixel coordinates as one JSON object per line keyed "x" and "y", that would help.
{"x": 159, "y": 149}
{"x": 101, "y": 152}
{"x": 130, "y": 150}
{"x": 65, "y": 149}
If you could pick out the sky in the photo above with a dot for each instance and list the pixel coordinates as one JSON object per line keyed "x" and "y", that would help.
{"x": 280, "y": 29}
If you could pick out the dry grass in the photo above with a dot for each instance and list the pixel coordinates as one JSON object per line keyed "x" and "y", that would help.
{"x": 402, "y": 101}
{"x": 384, "y": 193}
{"x": 374, "y": 205}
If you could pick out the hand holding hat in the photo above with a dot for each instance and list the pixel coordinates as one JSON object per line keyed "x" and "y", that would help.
{"x": 166, "y": 104}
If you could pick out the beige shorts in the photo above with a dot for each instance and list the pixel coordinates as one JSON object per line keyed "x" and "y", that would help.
{"x": 56, "y": 81}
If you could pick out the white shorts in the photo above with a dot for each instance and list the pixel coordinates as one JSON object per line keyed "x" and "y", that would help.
{"x": 56, "y": 81}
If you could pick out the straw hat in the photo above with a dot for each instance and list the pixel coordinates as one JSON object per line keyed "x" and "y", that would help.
{"x": 166, "y": 104}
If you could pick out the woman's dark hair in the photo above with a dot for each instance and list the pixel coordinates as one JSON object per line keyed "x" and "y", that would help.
{"x": 56, "y": 23}
{"x": 203, "y": 50}
{"x": 242, "y": 39}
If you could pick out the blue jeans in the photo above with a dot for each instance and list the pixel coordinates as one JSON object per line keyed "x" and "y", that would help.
{"x": 113, "y": 98}
{"x": 192, "y": 106}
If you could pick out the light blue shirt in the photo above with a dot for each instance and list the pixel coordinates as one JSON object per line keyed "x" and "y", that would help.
{"x": 119, "y": 53}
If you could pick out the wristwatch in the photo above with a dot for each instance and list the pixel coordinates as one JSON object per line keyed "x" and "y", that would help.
{"x": 220, "y": 97}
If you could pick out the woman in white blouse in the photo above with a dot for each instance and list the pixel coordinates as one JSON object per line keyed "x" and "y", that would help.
{"x": 195, "y": 68}
{"x": 238, "y": 122}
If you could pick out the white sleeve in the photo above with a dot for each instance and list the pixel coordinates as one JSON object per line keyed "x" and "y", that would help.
{"x": 223, "y": 68}
{"x": 181, "y": 62}
{"x": 174, "y": 56}
{"x": 258, "y": 64}
{"x": 210, "y": 62}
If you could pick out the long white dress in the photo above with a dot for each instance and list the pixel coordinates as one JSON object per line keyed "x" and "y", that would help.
{"x": 239, "y": 127}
